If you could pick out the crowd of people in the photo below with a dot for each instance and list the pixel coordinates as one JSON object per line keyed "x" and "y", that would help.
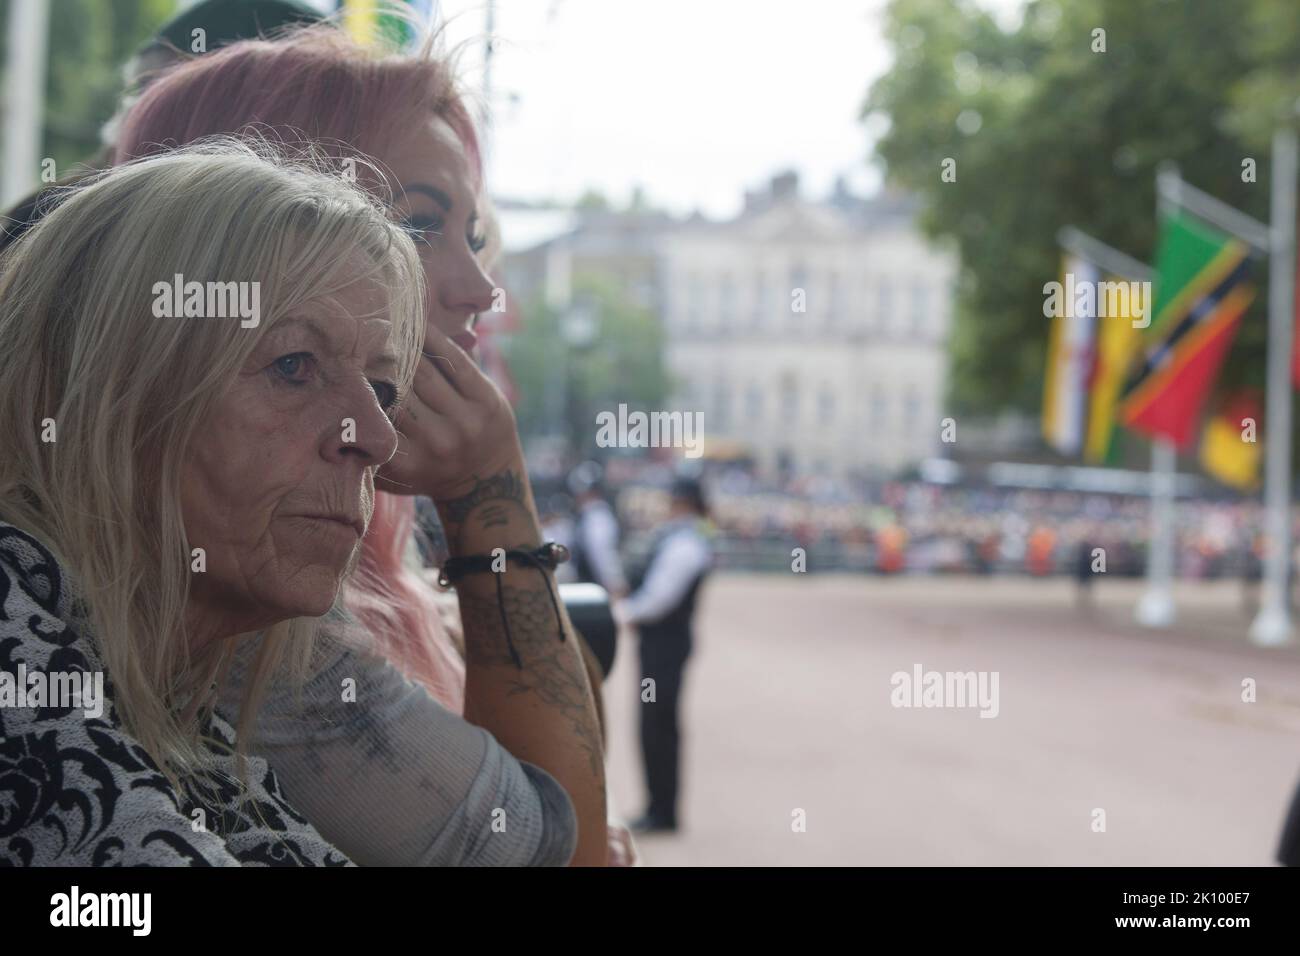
{"x": 921, "y": 527}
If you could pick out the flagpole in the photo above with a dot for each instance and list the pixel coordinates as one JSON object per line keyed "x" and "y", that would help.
{"x": 24, "y": 105}
{"x": 1272, "y": 626}
{"x": 1218, "y": 213}
{"x": 1101, "y": 255}
{"x": 1156, "y": 607}
{"x": 487, "y": 130}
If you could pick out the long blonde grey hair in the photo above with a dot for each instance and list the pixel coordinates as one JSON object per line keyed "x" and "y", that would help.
{"x": 126, "y": 392}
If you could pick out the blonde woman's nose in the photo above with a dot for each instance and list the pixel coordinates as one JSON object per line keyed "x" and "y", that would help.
{"x": 364, "y": 430}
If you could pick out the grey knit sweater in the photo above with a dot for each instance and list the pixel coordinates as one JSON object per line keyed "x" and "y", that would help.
{"x": 393, "y": 778}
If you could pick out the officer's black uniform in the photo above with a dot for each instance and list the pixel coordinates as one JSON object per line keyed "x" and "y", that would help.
{"x": 665, "y": 646}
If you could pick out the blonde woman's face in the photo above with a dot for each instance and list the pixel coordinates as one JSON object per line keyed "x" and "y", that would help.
{"x": 278, "y": 481}
{"x": 435, "y": 198}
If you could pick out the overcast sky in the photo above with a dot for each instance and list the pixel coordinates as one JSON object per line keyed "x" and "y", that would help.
{"x": 694, "y": 100}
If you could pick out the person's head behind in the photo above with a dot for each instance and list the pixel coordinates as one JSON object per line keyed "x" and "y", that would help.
{"x": 586, "y": 482}
{"x": 686, "y": 498}
{"x": 134, "y": 436}
{"x": 200, "y": 28}
{"x": 317, "y": 85}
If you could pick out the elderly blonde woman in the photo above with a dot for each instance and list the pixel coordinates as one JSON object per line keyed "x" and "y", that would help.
{"x": 202, "y": 356}
{"x": 385, "y": 773}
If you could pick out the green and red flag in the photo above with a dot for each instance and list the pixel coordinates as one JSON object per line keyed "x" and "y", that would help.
{"x": 1202, "y": 288}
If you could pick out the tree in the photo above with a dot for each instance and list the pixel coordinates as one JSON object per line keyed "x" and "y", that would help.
{"x": 593, "y": 200}
{"x": 1048, "y": 127}
{"x": 623, "y": 363}
{"x": 90, "y": 41}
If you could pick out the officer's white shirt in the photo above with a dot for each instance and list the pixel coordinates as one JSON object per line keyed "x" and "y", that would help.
{"x": 684, "y": 554}
{"x": 598, "y": 539}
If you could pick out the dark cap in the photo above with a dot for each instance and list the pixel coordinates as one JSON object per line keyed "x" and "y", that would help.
{"x": 228, "y": 21}
{"x": 690, "y": 491}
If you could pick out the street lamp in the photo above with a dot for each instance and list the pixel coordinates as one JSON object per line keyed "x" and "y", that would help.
{"x": 578, "y": 328}
{"x": 579, "y": 324}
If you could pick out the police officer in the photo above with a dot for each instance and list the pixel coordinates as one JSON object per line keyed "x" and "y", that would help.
{"x": 595, "y": 539}
{"x": 661, "y": 607}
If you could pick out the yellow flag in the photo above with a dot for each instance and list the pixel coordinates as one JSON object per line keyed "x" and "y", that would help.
{"x": 1230, "y": 446}
{"x": 1117, "y": 342}
{"x": 359, "y": 20}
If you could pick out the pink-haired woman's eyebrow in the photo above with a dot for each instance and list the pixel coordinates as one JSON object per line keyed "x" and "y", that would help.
{"x": 433, "y": 192}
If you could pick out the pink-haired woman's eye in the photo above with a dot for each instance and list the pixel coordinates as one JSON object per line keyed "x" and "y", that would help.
{"x": 477, "y": 242}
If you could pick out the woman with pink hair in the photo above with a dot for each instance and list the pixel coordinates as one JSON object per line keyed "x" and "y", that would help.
{"x": 399, "y": 124}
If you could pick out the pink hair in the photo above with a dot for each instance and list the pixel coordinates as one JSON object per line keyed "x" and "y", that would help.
{"x": 317, "y": 88}
{"x": 312, "y": 83}
{"x": 397, "y": 609}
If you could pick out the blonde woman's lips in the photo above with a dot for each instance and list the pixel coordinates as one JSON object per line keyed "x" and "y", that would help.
{"x": 466, "y": 340}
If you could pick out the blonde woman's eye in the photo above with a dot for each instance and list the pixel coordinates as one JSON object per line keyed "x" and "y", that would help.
{"x": 386, "y": 394}
{"x": 292, "y": 368}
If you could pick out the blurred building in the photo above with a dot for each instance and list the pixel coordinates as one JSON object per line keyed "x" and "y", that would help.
{"x": 546, "y": 246}
{"x": 810, "y": 334}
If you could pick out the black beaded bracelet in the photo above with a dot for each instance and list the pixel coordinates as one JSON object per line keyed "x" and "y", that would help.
{"x": 544, "y": 558}
{"x": 547, "y": 556}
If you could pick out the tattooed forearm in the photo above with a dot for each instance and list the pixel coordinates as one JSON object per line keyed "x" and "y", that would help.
{"x": 492, "y": 497}
{"x": 524, "y": 684}
{"x": 494, "y": 515}
{"x": 551, "y": 669}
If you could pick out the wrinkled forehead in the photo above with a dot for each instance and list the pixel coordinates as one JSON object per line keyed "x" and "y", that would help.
{"x": 350, "y": 316}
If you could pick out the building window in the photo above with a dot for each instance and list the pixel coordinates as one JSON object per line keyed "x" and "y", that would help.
{"x": 798, "y": 280}
{"x": 826, "y": 406}
{"x": 754, "y": 403}
{"x": 694, "y": 307}
{"x": 762, "y": 305}
{"x": 798, "y": 276}
{"x": 790, "y": 401}
{"x": 879, "y": 408}
{"x": 721, "y": 406}
{"x": 833, "y": 301}
{"x": 912, "y": 408}
{"x": 884, "y": 305}
{"x": 726, "y": 301}
{"x": 920, "y": 307}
